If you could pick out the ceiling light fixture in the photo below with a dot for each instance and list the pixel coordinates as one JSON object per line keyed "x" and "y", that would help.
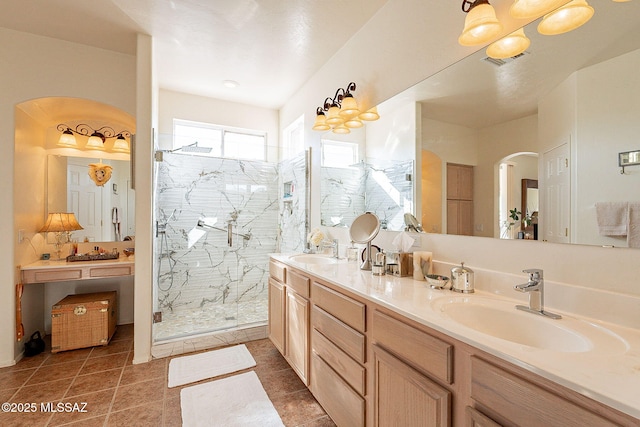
{"x": 509, "y": 46}
{"x": 342, "y": 112}
{"x": 231, "y": 84}
{"x": 480, "y": 24}
{"x": 567, "y": 18}
{"x": 97, "y": 137}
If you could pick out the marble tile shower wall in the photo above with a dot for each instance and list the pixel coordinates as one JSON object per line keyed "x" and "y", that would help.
{"x": 386, "y": 191}
{"x": 211, "y": 272}
{"x": 293, "y": 206}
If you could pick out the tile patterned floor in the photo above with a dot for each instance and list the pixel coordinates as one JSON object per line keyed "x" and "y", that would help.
{"x": 118, "y": 393}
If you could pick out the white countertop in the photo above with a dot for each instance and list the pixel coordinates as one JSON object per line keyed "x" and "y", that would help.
{"x": 610, "y": 376}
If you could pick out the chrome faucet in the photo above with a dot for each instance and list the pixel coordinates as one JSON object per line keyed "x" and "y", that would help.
{"x": 535, "y": 288}
{"x": 334, "y": 247}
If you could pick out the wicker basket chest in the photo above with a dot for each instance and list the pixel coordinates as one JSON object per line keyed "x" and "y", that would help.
{"x": 83, "y": 320}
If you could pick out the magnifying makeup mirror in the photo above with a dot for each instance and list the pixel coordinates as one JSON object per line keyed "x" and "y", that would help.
{"x": 363, "y": 230}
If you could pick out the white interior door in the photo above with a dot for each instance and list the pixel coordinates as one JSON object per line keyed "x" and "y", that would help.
{"x": 84, "y": 199}
{"x": 555, "y": 209}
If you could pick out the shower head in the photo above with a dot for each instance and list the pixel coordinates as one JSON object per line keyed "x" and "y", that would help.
{"x": 193, "y": 148}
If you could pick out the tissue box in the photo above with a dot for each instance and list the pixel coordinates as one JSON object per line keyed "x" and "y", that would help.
{"x": 400, "y": 264}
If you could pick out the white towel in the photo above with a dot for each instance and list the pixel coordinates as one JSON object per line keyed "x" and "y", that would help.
{"x": 633, "y": 233}
{"x": 612, "y": 218}
{"x": 422, "y": 264}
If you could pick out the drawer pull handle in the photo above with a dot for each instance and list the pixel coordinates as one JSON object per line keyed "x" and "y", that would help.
{"x": 79, "y": 310}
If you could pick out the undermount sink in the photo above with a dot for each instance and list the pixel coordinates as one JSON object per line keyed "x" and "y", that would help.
{"x": 313, "y": 259}
{"x": 500, "y": 319}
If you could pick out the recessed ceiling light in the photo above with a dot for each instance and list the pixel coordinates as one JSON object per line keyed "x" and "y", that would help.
{"x": 230, "y": 83}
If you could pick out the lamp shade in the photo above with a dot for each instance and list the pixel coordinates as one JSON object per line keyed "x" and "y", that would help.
{"x": 60, "y": 222}
{"x": 120, "y": 145}
{"x": 525, "y": 9}
{"x": 67, "y": 139}
{"x": 95, "y": 142}
{"x": 509, "y": 46}
{"x": 349, "y": 107}
{"x": 370, "y": 115}
{"x": 480, "y": 25}
{"x": 354, "y": 123}
{"x": 321, "y": 123}
{"x": 565, "y": 19}
{"x": 333, "y": 116}
{"x": 341, "y": 129}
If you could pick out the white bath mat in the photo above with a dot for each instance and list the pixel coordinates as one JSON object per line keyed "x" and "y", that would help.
{"x": 189, "y": 369}
{"x": 238, "y": 400}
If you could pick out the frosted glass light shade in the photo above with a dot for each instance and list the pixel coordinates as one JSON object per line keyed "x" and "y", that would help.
{"x": 321, "y": 123}
{"x": 370, "y": 115}
{"x": 567, "y": 18}
{"x": 509, "y": 46}
{"x": 333, "y": 116}
{"x": 349, "y": 107}
{"x": 67, "y": 139}
{"x": 480, "y": 25}
{"x": 341, "y": 129}
{"x": 525, "y": 9}
{"x": 120, "y": 145}
{"x": 95, "y": 143}
{"x": 354, "y": 123}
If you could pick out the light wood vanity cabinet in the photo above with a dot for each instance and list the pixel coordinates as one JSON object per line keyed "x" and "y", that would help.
{"x": 297, "y": 309}
{"x": 339, "y": 355}
{"x": 370, "y": 366}
{"x": 277, "y": 298}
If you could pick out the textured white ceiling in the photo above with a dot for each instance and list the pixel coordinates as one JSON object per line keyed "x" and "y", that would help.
{"x": 270, "y": 47}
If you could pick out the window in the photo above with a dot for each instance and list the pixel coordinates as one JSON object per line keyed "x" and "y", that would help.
{"x": 339, "y": 154}
{"x": 224, "y": 141}
{"x": 293, "y": 139}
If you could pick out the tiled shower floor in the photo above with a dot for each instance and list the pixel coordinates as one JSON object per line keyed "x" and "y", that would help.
{"x": 183, "y": 323}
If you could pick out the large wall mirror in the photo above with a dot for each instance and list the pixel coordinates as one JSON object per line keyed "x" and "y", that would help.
{"x": 106, "y": 212}
{"x": 559, "y": 114}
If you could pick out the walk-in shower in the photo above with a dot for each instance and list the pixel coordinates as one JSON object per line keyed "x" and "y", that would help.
{"x": 217, "y": 220}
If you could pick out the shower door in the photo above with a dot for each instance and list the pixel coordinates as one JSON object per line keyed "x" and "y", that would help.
{"x": 216, "y": 222}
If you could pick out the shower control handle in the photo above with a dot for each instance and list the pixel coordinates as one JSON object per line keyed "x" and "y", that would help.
{"x": 230, "y": 234}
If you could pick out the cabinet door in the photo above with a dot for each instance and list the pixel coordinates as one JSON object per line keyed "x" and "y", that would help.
{"x": 297, "y": 333}
{"x": 276, "y": 314}
{"x": 405, "y": 397}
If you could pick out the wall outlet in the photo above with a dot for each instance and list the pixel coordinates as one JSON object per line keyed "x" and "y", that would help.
{"x": 20, "y": 236}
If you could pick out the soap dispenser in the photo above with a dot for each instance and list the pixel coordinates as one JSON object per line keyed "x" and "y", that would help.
{"x": 462, "y": 279}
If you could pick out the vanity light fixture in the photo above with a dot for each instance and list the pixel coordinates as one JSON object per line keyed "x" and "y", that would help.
{"x": 567, "y": 18}
{"x": 62, "y": 224}
{"x": 480, "y": 24}
{"x": 509, "y": 46}
{"x": 526, "y": 9}
{"x": 342, "y": 112}
{"x": 97, "y": 137}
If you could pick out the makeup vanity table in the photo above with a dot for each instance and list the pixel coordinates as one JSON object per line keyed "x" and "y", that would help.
{"x": 61, "y": 271}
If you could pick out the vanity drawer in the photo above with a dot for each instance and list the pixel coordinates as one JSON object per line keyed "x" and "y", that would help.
{"x": 341, "y": 306}
{"x": 342, "y": 403}
{"x": 420, "y": 349}
{"x": 278, "y": 271}
{"x": 350, "y": 370}
{"x": 113, "y": 271}
{"x": 52, "y": 275}
{"x": 346, "y": 338}
{"x": 298, "y": 283}
{"x": 524, "y": 403}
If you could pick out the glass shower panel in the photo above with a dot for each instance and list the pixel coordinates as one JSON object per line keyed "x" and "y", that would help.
{"x": 215, "y": 228}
